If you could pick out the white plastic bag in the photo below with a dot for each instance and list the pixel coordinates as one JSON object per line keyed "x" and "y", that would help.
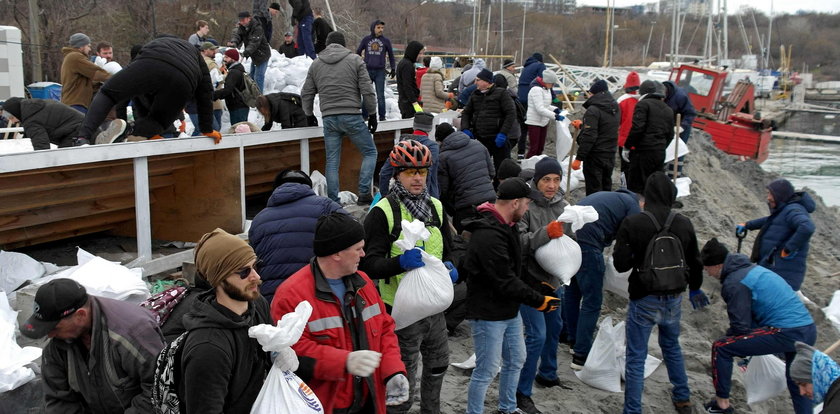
{"x": 602, "y": 368}
{"x": 615, "y": 281}
{"x": 561, "y": 257}
{"x": 283, "y": 392}
{"x": 16, "y": 268}
{"x": 683, "y": 186}
{"x": 13, "y": 358}
{"x": 765, "y": 378}
{"x": 563, "y": 136}
{"x": 319, "y": 183}
{"x": 423, "y": 291}
{"x": 832, "y": 311}
{"x": 681, "y": 146}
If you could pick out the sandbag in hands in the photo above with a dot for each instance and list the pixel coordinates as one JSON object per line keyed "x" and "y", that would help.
{"x": 423, "y": 291}
{"x": 561, "y": 257}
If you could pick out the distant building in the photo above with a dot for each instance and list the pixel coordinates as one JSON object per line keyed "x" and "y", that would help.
{"x": 548, "y": 6}
{"x": 689, "y": 7}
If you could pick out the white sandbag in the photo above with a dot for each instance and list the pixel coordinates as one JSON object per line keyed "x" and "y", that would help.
{"x": 469, "y": 363}
{"x": 561, "y": 257}
{"x": 531, "y": 162}
{"x": 15, "y": 146}
{"x": 615, "y": 281}
{"x": 319, "y": 183}
{"x": 283, "y": 391}
{"x": 347, "y": 197}
{"x": 103, "y": 278}
{"x": 602, "y": 368}
{"x": 13, "y": 358}
{"x": 563, "y": 136}
{"x": 832, "y": 311}
{"x": 17, "y": 268}
{"x": 423, "y": 291}
{"x": 683, "y": 186}
{"x": 765, "y": 378}
{"x": 681, "y": 147}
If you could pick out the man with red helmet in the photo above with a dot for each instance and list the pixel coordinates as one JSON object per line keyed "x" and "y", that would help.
{"x": 409, "y": 199}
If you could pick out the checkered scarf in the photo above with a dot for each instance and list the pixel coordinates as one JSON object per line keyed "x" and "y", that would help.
{"x": 418, "y": 205}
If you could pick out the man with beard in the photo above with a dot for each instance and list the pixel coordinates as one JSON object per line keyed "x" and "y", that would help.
{"x": 222, "y": 369}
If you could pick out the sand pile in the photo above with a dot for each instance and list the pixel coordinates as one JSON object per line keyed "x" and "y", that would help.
{"x": 724, "y": 193}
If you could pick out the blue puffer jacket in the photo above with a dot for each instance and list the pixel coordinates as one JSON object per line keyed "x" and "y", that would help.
{"x": 530, "y": 71}
{"x": 466, "y": 173}
{"x": 788, "y": 227}
{"x": 612, "y": 208}
{"x": 756, "y": 297}
{"x": 679, "y": 102}
{"x": 282, "y": 233}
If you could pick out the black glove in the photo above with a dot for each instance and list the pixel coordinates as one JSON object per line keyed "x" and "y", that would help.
{"x": 392, "y": 74}
{"x": 372, "y": 123}
{"x": 312, "y": 120}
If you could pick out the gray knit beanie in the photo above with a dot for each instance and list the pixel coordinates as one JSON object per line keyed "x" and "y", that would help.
{"x": 800, "y": 368}
{"x": 79, "y": 40}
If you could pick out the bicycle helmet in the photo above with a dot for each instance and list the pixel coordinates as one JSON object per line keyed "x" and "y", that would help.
{"x": 410, "y": 154}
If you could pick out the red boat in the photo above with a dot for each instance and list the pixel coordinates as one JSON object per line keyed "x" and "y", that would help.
{"x": 730, "y": 119}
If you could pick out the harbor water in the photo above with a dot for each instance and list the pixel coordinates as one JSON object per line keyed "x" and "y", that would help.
{"x": 811, "y": 164}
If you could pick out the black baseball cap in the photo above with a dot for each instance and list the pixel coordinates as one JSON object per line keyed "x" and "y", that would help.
{"x": 54, "y": 300}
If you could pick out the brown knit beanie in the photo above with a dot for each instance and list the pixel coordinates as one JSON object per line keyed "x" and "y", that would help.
{"x": 219, "y": 253}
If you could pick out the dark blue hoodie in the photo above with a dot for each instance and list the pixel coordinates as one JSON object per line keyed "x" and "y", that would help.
{"x": 532, "y": 68}
{"x": 678, "y": 100}
{"x": 612, "y": 208}
{"x": 375, "y": 49}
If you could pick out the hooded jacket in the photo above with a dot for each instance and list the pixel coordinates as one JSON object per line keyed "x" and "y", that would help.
{"x": 465, "y": 173}
{"x": 599, "y": 134}
{"x": 533, "y": 236}
{"x": 341, "y": 79}
{"x": 116, "y": 375}
{"x": 488, "y": 113}
{"x": 530, "y": 70}
{"x": 540, "y": 111}
{"x": 234, "y": 85}
{"x": 222, "y": 369}
{"x": 468, "y": 77}
{"x": 612, "y": 207}
{"x": 512, "y": 81}
{"x": 677, "y": 99}
{"x": 375, "y": 48}
{"x": 45, "y": 121}
{"x": 78, "y": 74}
{"x": 637, "y": 230}
{"x": 286, "y": 109}
{"x": 788, "y": 227}
{"x": 627, "y": 106}
{"x": 432, "y": 90}
{"x": 652, "y": 127}
{"x": 493, "y": 265}
{"x": 757, "y": 297}
{"x": 283, "y": 232}
{"x": 406, "y": 83}
{"x": 256, "y": 43}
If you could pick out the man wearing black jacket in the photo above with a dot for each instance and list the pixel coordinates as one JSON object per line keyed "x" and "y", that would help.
{"x": 234, "y": 85}
{"x": 661, "y": 308}
{"x": 250, "y": 33}
{"x": 652, "y": 129}
{"x": 598, "y": 139}
{"x": 409, "y": 93}
{"x": 489, "y": 117}
{"x": 302, "y": 18}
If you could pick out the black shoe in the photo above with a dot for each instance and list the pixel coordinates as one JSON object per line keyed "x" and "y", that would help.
{"x": 525, "y": 404}
{"x": 548, "y": 383}
{"x": 382, "y": 118}
{"x": 516, "y": 411}
{"x": 79, "y": 141}
{"x": 578, "y": 361}
{"x": 364, "y": 200}
{"x": 712, "y": 407}
{"x": 683, "y": 407}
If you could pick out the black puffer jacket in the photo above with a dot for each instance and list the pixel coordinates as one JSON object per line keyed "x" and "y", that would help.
{"x": 45, "y": 121}
{"x": 234, "y": 85}
{"x": 465, "y": 172}
{"x": 599, "y": 134}
{"x": 407, "y": 88}
{"x": 256, "y": 44}
{"x": 286, "y": 109}
{"x": 637, "y": 230}
{"x": 653, "y": 125}
{"x": 488, "y": 113}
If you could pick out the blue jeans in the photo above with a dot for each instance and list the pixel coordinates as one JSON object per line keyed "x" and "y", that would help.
{"x": 217, "y": 122}
{"x": 258, "y": 73}
{"x": 642, "y": 315}
{"x": 354, "y": 127}
{"x": 762, "y": 341}
{"x": 377, "y": 76}
{"x": 542, "y": 335}
{"x": 238, "y": 115}
{"x": 497, "y": 343}
{"x": 583, "y": 298}
{"x": 304, "y": 37}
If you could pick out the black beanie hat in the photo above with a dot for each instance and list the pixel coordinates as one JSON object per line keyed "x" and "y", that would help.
{"x": 713, "y": 253}
{"x": 443, "y": 130}
{"x": 336, "y": 37}
{"x": 336, "y": 232}
{"x": 292, "y": 176}
{"x": 513, "y": 188}
{"x": 485, "y": 75}
{"x": 545, "y": 166}
{"x": 12, "y": 106}
{"x": 507, "y": 169}
{"x": 599, "y": 86}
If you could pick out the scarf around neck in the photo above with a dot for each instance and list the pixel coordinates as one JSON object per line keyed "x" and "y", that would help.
{"x": 418, "y": 205}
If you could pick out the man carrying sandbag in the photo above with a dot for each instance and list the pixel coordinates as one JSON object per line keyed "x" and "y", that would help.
{"x": 409, "y": 200}
{"x": 667, "y": 240}
{"x": 495, "y": 292}
{"x": 765, "y": 317}
{"x": 537, "y": 227}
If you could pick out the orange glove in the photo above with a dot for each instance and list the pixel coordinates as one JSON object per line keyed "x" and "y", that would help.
{"x": 576, "y": 165}
{"x": 217, "y": 137}
{"x": 447, "y": 105}
{"x": 451, "y": 95}
{"x": 182, "y": 127}
{"x": 785, "y": 253}
{"x": 577, "y": 123}
{"x": 550, "y": 303}
{"x": 554, "y": 229}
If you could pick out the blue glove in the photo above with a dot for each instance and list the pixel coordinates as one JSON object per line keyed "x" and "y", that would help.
{"x": 469, "y": 133}
{"x": 411, "y": 259}
{"x": 453, "y": 271}
{"x": 739, "y": 230}
{"x": 559, "y": 117}
{"x": 698, "y": 299}
{"x": 501, "y": 138}
{"x": 556, "y": 111}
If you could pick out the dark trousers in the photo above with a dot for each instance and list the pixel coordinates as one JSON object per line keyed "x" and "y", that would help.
{"x": 536, "y": 139}
{"x": 642, "y": 165}
{"x": 406, "y": 109}
{"x": 498, "y": 153}
{"x": 522, "y": 145}
{"x": 597, "y": 172}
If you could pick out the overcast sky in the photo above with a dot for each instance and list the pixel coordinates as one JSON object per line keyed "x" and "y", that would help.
{"x": 779, "y": 6}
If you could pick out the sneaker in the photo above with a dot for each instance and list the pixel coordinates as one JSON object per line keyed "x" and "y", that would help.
{"x": 79, "y": 141}
{"x": 548, "y": 383}
{"x": 364, "y": 200}
{"x": 525, "y": 404}
{"x": 578, "y": 361}
{"x": 114, "y": 130}
{"x": 683, "y": 407}
{"x": 516, "y": 411}
{"x": 520, "y": 156}
{"x": 712, "y": 407}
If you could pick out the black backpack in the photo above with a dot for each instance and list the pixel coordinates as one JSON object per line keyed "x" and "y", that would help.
{"x": 664, "y": 268}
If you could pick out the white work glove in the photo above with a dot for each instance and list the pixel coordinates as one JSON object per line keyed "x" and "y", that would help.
{"x": 396, "y": 390}
{"x": 363, "y": 363}
{"x": 625, "y": 154}
{"x": 286, "y": 360}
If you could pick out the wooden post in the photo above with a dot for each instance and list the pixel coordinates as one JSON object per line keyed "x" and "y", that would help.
{"x": 832, "y": 348}
{"x": 677, "y": 146}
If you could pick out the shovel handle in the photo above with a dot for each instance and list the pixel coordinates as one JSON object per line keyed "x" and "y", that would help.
{"x": 831, "y": 348}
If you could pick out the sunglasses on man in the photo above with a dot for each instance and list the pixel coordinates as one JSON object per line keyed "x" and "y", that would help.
{"x": 246, "y": 271}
